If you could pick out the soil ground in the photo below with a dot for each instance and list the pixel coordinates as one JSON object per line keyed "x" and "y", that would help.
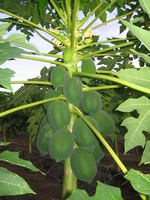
{"x": 49, "y": 187}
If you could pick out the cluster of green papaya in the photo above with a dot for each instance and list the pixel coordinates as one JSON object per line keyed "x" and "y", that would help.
{"x": 80, "y": 144}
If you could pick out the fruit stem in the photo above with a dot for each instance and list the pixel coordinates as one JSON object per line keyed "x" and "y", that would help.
{"x": 70, "y": 181}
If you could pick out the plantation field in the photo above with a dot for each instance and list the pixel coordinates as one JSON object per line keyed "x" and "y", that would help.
{"x": 49, "y": 187}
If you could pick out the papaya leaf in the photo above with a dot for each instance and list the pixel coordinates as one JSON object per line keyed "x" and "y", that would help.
{"x": 12, "y": 184}
{"x": 4, "y": 143}
{"x": 20, "y": 41}
{"x": 79, "y": 194}
{"x": 13, "y": 158}
{"x": 146, "y": 6}
{"x": 135, "y": 126}
{"x": 103, "y": 191}
{"x": 142, "y": 34}
{"x": 8, "y": 52}
{"x": 139, "y": 77}
{"x": 139, "y": 181}
{"x": 146, "y": 154}
{"x": 3, "y": 28}
{"x": 5, "y": 78}
{"x": 143, "y": 55}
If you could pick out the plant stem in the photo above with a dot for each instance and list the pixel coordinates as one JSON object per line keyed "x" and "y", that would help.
{"x": 102, "y": 87}
{"x": 116, "y": 80}
{"x": 96, "y": 17}
{"x": 111, "y": 20}
{"x": 31, "y": 82}
{"x": 57, "y": 10}
{"x": 84, "y": 20}
{"x": 105, "y": 41}
{"x": 43, "y": 60}
{"x": 7, "y": 112}
{"x": 31, "y": 24}
{"x": 73, "y": 25}
{"x": 68, "y": 11}
{"x": 70, "y": 181}
{"x": 104, "y": 50}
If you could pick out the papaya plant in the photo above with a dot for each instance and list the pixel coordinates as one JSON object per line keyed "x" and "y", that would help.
{"x": 82, "y": 83}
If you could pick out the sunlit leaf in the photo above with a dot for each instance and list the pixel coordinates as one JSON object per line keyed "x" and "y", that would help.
{"x": 4, "y": 143}
{"x": 8, "y": 52}
{"x": 139, "y": 77}
{"x": 146, "y": 154}
{"x": 20, "y": 41}
{"x": 5, "y": 78}
{"x": 103, "y": 191}
{"x": 13, "y": 158}
{"x": 139, "y": 181}
{"x": 141, "y": 34}
{"x": 12, "y": 184}
{"x": 143, "y": 55}
{"x": 145, "y": 5}
{"x": 3, "y": 28}
{"x": 135, "y": 126}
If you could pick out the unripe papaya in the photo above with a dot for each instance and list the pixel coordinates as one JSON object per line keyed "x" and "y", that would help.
{"x": 83, "y": 165}
{"x": 67, "y": 55}
{"x": 72, "y": 90}
{"x": 57, "y": 76}
{"x": 97, "y": 153}
{"x": 91, "y": 101}
{"x": 58, "y": 114}
{"x": 43, "y": 137}
{"x": 50, "y": 94}
{"x": 88, "y": 66}
{"x": 105, "y": 122}
{"x": 83, "y": 135}
{"x": 61, "y": 145}
{"x": 43, "y": 122}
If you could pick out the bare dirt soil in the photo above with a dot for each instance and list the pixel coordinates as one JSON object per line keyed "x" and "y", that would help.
{"x": 49, "y": 187}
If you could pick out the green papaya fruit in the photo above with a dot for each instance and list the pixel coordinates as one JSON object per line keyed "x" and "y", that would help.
{"x": 43, "y": 122}
{"x": 43, "y": 137}
{"x": 61, "y": 145}
{"x": 83, "y": 135}
{"x": 57, "y": 76}
{"x": 72, "y": 90}
{"x": 83, "y": 165}
{"x": 91, "y": 101}
{"x": 58, "y": 114}
{"x": 67, "y": 55}
{"x": 105, "y": 122}
{"x": 88, "y": 66}
{"x": 50, "y": 94}
{"x": 97, "y": 153}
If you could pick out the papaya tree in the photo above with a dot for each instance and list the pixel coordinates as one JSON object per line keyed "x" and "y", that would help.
{"x": 90, "y": 84}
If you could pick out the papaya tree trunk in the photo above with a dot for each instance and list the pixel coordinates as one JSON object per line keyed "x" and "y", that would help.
{"x": 70, "y": 181}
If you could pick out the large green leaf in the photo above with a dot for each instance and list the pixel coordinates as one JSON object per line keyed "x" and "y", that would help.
{"x": 13, "y": 158}
{"x": 145, "y": 5}
{"x": 142, "y": 34}
{"x": 139, "y": 181}
{"x": 8, "y": 52}
{"x": 135, "y": 126}
{"x": 103, "y": 191}
{"x": 3, "y": 28}
{"x": 139, "y": 77}
{"x": 12, "y": 184}
{"x": 20, "y": 40}
{"x": 5, "y": 78}
{"x": 146, "y": 154}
